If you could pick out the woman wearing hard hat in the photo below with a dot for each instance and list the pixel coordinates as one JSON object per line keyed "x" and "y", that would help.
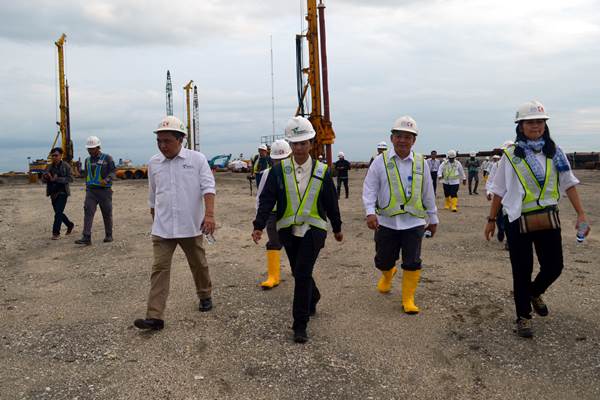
{"x": 531, "y": 176}
{"x": 451, "y": 172}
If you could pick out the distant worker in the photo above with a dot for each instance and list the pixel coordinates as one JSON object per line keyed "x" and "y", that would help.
{"x": 280, "y": 149}
{"x": 434, "y": 165}
{"x": 181, "y": 197}
{"x": 99, "y": 172}
{"x": 399, "y": 201}
{"x": 488, "y": 188}
{"x": 486, "y": 166}
{"x": 305, "y": 196}
{"x": 342, "y": 166}
{"x": 261, "y": 162}
{"x": 473, "y": 165}
{"x": 451, "y": 173}
{"x": 57, "y": 178}
{"x": 530, "y": 179}
{"x": 381, "y": 147}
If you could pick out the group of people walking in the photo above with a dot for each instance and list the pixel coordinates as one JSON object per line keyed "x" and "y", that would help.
{"x": 297, "y": 201}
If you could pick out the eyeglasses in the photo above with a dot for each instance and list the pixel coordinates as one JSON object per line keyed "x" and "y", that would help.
{"x": 55, "y": 155}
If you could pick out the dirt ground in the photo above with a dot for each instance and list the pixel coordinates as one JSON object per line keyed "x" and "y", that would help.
{"x": 66, "y": 311}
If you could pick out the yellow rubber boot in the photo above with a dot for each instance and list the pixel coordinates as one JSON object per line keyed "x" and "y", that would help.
{"x": 447, "y": 203}
{"x": 410, "y": 281}
{"x": 454, "y": 201}
{"x": 273, "y": 269}
{"x": 385, "y": 282}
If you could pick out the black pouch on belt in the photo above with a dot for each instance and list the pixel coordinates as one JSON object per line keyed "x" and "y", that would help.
{"x": 540, "y": 220}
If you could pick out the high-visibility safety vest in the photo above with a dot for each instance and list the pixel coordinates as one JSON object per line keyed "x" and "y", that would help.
{"x": 450, "y": 171}
{"x": 536, "y": 196}
{"x": 302, "y": 208}
{"x": 93, "y": 177}
{"x": 399, "y": 204}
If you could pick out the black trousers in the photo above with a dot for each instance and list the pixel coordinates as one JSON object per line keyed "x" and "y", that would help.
{"x": 451, "y": 190}
{"x": 273, "y": 243}
{"x": 548, "y": 247}
{"x": 339, "y": 185}
{"x": 302, "y": 253}
{"x": 473, "y": 176}
{"x": 434, "y": 180}
{"x": 59, "y": 202}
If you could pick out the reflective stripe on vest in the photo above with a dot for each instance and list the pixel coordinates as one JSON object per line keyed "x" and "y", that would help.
{"x": 536, "y": 197}
{"x": 398, "y": 203}
{"x": 93, "y": 177}
{"x": 299, "y": 210}
{"x": 450, "y": 173}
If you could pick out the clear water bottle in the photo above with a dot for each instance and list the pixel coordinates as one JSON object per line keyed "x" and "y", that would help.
{"x": 210, "y": 239}
{"x": 583, "y": 227}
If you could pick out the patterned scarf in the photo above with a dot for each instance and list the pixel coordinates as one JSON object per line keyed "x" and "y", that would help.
{"x": 535, "y": 146}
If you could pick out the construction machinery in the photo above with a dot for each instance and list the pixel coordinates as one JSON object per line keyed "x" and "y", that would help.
{"x": 317, "y": 82}
{"x": 39, "y": 166}
{"x": 190, "y": 138}
{"x": 220, "y": 162}
{"x": 169, "y": 90}
{"x": 126, "y": 170}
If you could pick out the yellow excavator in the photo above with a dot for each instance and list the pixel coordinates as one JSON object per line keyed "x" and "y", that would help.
{"x": 39, "y": 166}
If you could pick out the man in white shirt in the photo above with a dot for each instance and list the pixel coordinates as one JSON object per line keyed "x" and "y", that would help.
{"x": 434, "y": 165}
{"x": 398, "y": 198}
{"x": 181, "y": 199}
{"x": 451, "y": 172}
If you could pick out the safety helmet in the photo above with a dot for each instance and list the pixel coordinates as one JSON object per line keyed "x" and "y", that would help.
{"x": 496, "y": 156}
{"x": 487, "y": 158}
{"x": 451, "y": 154}
{"x": 171, "y": 124}
{"x": 280, "y": 149}
{"x": 299, "y": 129}
{"x": 382, "y": 146}
{"x": 473, "y": 154}
{"x": 341, "y": 154}
{"x": 531, "y": 110}
{"x": 92, "y": 142}
{"x": 507, "y": 144}
{"x": 406, "y": 124}
{"x": 263, "y": 147}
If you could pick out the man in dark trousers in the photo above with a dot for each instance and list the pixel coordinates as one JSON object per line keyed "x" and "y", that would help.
{"x": 99, "y": 174}
{"x": 434, "y": 165}
{"x": 305, "y": 196}
{"x": 262, "y": 161}
{"x": 342, "y": 166}
{"x": 57, "y": 178}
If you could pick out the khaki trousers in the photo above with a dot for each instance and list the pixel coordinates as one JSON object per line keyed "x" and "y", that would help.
{"x": 161, "y": 271}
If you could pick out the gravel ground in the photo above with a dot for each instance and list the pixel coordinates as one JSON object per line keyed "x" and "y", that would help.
{"x": 67, "y": 312}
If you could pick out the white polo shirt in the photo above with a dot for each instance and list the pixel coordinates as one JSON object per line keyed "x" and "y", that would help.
{"x": 176, "y": 192}
{"x": 506, "y": 185}
{"x": 459, "y": 168}
{"x": 376, "y": 190}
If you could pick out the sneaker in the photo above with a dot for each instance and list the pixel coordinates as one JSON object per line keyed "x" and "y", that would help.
{"x": 300, "y": 335}
{"x": 205, "y": 305}
{"x": 524, "y": 328}
{"x": 70, "y": 229}
{"x": 539, "y": 306}
{"x": 55, "y": 237}
{"x": 84, "y": 240}
{"x": 108, "y": 239}
{"x": 149, "y": 324}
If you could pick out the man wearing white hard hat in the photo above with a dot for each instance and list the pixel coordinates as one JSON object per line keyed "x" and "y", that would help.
{"x": 99, "y": 172}
{"x": 342, "y": 166}
{"x": 381, "y": 147}
{"x": 434, "y": 164}
{"x": 451, "y": 172}
{"x": 280, "y": 149}
{"x": 306, "y": 199}
{"x": 181, "y": 198}
{"x": 399, "y": 203}
{"x": 261, "y": 162}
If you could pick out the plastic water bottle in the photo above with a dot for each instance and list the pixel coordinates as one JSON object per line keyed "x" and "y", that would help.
{"x": 428, "y": 234}
{"x": 210, "y": 239}
{"x": 583, "y": 227}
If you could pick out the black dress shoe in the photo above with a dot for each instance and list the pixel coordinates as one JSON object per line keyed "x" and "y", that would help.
{"x": 313, "y": 306}
{"x": 300, "y": 336}
{"x": 149, "y": 324}
{"x": 205, "y": 305}
{"x": 84, "y": 240}
{"x": 70, "y": 229}
{"x": 108, "y": 239}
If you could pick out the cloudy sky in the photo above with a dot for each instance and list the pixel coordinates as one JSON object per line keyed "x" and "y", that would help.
{"x": 460, "y": 68}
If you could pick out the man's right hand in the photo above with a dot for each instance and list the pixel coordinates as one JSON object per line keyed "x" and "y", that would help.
{"x": 372, "y": 222}
{"x": 256, "y": 235}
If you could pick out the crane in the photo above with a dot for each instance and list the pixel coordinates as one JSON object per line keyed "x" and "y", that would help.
{"x": 187, "y": 89}
{"x": 318, "y": 81}
{"x": 196, "y": 125}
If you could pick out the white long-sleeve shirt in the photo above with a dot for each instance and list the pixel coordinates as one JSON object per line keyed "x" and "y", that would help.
{"x": 459, "y": 168}
{"x": 506, "y": 185}
{"x": 376, "y": 191}
{"x": 490, "y": 180}
{"x": 176, "y": 192}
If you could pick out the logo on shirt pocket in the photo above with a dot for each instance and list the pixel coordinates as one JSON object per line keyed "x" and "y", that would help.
{"x": 188, "y": 166}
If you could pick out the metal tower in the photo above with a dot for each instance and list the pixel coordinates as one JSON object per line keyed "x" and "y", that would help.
{"x": 169, "y": 94}
{"x": 196, "y": 120}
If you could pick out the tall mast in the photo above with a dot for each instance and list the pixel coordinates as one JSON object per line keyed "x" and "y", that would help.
{"x": 62, "y": 93}
{"x": 196, "y": 120}
{"x": 190, "y": 138}
{"x": 169, "y": 90}
{"x": 272, "y": 89}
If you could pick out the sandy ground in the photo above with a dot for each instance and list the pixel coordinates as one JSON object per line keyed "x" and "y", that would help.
{"x": 67, "y": 311}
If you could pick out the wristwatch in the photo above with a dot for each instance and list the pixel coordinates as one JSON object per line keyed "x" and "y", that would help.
{"x": 490, "y": 219}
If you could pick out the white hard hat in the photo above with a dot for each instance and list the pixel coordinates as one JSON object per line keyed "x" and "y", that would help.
{"x": 382, "y": 145}
{"x": 280, "y": 149}
{"x": 406, "y": 124}
{"x": 487, "y": 158}
{"x": 263, "y": 147}
{"x": 531, "y": 110}
{"x": 299, "y": 129}
{"x": 496, "y": 156}
{"x": 171, "y": 124}
{"x": 341, "y": 154}
{"x": 92, "y": 142}
{"x": 507, "y": 144}
{"x": 473, "y": 154}
{"x": 451, "y": 154}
